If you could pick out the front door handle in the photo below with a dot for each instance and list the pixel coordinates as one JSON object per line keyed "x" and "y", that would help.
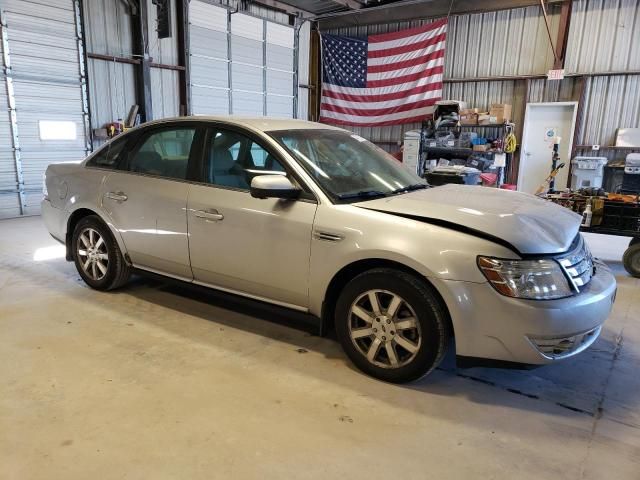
{"x": 117, "y": 196}
{"x": 211, "y": 214}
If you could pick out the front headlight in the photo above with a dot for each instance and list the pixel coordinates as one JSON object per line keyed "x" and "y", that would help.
{"x": 530, "y": 279}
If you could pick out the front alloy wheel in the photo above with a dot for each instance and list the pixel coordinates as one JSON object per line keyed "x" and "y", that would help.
{"x": 392, "y": 325}
{"x": 383, "y": 328}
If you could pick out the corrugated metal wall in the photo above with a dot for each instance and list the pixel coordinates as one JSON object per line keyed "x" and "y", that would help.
{"x": 111, "y": 84}
{"x": 611, "y": 102}
{"x": 604, "y": 36}
{"x": 165, "y": 86}
{"x": 504, "y": 43}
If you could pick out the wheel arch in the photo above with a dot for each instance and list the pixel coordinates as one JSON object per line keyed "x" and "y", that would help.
{"x": 353, "y": 269}
{"x": 80, "y": 213}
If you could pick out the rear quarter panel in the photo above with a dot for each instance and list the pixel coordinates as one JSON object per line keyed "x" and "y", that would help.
{"x": 73, "y": 187}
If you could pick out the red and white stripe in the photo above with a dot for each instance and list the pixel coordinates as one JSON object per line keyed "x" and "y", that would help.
{"x": 404, "y": 80}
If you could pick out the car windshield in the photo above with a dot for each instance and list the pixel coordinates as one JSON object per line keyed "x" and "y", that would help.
{"x": 348, "y": 167}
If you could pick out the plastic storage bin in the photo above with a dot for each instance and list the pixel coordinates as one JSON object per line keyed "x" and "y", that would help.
{"x": 587, "y": 172}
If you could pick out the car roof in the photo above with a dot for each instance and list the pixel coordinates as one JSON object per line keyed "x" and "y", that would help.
{"x": 264, "y": 124}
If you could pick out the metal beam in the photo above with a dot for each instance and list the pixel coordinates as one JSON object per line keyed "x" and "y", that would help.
{"x": 285, "y": 7}
{"x": 351, "y": 4}
{"x": 563, "y": 35}
{"x": 418, "y": 9}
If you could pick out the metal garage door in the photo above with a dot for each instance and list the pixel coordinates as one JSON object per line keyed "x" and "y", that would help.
{"x": 45, "y": 118}
{"x": 240, "y": 64}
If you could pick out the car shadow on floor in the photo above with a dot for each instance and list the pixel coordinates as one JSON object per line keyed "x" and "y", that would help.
{"x": 575, "y": 386}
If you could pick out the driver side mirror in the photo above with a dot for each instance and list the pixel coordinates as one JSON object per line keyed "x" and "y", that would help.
{"x": 273, "y": 186}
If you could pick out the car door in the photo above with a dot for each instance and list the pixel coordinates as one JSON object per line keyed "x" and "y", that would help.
{"x": 257, "y": 247}
{"x": 146, "y": 200}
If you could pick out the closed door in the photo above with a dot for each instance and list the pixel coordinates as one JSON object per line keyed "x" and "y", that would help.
{"x": 147, "y": 201}
{"x": 544, "y": 122}
{"x": 258, "y": 247}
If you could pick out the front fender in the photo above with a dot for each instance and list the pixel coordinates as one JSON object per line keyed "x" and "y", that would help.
{"x": 434, "y": 252}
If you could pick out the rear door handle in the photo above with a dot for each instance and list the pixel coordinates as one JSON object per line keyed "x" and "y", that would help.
{"x": 210, "y": 214}
{"x": 117, "y": 196}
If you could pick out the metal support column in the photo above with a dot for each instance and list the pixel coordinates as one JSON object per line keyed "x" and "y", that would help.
{"x": 140, "y": 29}
{"x": 182, "y": 9}
{"x": 82, "y": 61}
{"x": 6, "y": 57}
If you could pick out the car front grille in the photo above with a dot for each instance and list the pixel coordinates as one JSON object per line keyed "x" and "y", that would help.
{"x": 578, "y": 264}
{"x": 560, "y": 347}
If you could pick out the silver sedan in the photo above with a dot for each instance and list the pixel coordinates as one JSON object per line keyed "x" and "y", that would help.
{"x": 317, "y": 219}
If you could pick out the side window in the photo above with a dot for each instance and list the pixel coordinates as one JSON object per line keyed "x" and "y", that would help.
{"x": 233, "y": 160}
{"x": 164, "y": 153}
{"x": 109, "y": 156}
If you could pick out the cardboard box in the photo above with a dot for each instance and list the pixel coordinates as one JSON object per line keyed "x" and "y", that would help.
{"x": 502, "y": 112}
{"x": 468, "y": 111}
{"x": 469, "y": 119}
{"x": 481, "y": 148}
{"x": 487, "y": 119}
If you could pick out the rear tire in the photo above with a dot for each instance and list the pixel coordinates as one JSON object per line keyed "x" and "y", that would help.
{"x": 631, "y": 260}
{"x": 634, "y": 241}
{"x": 97, "y": 256}
{"x": 392, "y": 325}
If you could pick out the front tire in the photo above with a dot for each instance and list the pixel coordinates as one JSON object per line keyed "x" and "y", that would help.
{"x": 392, "y": 325}
{"x": 97, "y": 256}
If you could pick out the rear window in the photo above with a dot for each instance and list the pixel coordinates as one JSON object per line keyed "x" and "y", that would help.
{"x": 110, "y": 155}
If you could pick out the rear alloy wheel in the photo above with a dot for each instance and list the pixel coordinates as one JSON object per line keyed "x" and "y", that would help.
{"x": 392, "y": 325}
{"x": 97, "y": 256}
{"x": 92, "y": 253}
{"x": 631, "y": 260}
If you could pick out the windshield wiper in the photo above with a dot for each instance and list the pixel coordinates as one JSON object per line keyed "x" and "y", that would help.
{"x": 362, "y": 194}
{"x": 409, "y": 188}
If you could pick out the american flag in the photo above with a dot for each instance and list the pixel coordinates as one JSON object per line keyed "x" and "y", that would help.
{"x": 387, "y": 79}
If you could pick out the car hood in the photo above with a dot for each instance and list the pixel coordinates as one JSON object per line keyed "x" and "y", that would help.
{"x": 525, "y": 223}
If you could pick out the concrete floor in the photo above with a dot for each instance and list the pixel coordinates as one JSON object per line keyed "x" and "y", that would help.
{"x": 158, "y": 381}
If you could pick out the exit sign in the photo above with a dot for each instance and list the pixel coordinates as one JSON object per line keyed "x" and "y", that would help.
{"x": 555, "y": 74}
